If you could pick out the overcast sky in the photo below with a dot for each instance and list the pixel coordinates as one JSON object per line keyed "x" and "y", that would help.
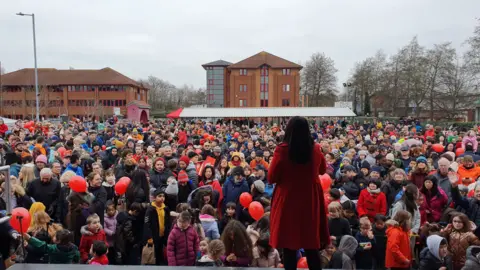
{"x": 172, "y": 39}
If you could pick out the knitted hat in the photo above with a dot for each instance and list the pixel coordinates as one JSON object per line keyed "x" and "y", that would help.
{"x": 182, "y": 177}
{"x": 421, "y": 159}
{"x": 346, "y": 159}
{"x": 237, "y": 171}
{"x": 259, "y": 185}
{"x": 259, "y": 153}
{"x": 365, "y": 165}
{"x": 363, "y": 152}
{"x": 349, "y": 168}
{"x": 390, "y": 157}
{"x": 184, "y": 159}
{"x": 217, "y": 149}
{"x": 42, "y": 159}
{"x": 159, "y": 159}
{"x": 376, "y": 169}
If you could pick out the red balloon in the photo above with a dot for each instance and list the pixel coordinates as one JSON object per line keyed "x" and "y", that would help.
{"x": 61, "y": 151}
{"x": 20, "y": 219}
{"x": 211, "y": 138}
{"x": 302, "y": 263}
{"x": 205, "y": 135}
{"x": 326, "y": 182}
{"x": 459, "y": 151}
{"x": 78, "y": 184}
{"x": 256, "y": 211}
{"x": 236, "y": 134}
{"x": 438, "y": 148}
{"x": 122, "y": 185}
{"x": 245, "y": 199}
{"x": 104, "y": 147}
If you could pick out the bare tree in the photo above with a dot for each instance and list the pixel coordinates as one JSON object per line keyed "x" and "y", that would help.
{"x": 319, "y": 80}
{"x": 473, "y": 54}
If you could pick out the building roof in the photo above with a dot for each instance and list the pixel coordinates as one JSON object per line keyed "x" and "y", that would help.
{"x": 52, "y": 76}
{"x": 218, "y": 63}
{"x": 266, "y": 112}
{"x": 139, "y": 103}
{"x": 265, "y": 58}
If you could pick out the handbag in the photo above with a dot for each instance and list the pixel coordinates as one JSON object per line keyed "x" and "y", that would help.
{"x": 148, "y": 254}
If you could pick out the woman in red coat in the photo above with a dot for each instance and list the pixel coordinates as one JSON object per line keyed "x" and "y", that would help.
{"x": 372, "y": 201}
{"x": 434, "y": 201}
{"x": 298, "y": 218}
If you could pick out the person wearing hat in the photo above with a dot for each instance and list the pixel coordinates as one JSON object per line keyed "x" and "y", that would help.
{"x": 419, "y": 172}
{"x": 185, "y": 186}
{"x": 405, "y": 156}
{"x": 259, "y": 160}
{"x": 365, "y": 169}
{"x": 261, "y": 174}
{"x": 158, "y": 224}
{"x": 234, "y": 187}
{"x": 40, "y": 163}
{"x": 372, "y": 201}
{"x": 434, "y": 201}
{"x": 352, "y": 182}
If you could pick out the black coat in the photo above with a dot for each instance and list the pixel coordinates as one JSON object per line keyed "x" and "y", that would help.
{"x": 62, "y": 206}
{"x": 158, "y": 179}
{"x": 98, "y": 204}
{"x": 430, "y": 262}
{"x": 46, "y": 193}
{"x": 24, "y": 201}
{"x": 152, "y": 225}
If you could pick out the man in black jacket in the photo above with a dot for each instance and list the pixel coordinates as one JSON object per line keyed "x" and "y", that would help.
{"x": 45, "y": 190}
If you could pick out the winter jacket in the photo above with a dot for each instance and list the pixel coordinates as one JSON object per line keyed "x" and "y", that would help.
{"x": 472, "y": 173}
{"x": 110, "y": 226}
{"x": 418, "y": 178}
{"x": 272, "y": 261}
{"x": 191, "y": 171}
{"x": 158, "y": 179}
{"x": 182, "y": 246}
{"x": 400, "y": 205}
{"x": 473, "y": 262}
{"x": 338, "y": 227}
{"x": 98, "y": 204}
{"x": 210, "y": 227}
{"x": 428, "y": 261}
{"x": 102, "y": 260}
{"x": 444, "y": 183}
{"x": 3, "y": 129}
{"x": 62, "y": 206}
{"x": 458, "y": 242}
{"x": 380, "y": 247}
{"x": 77, "y": 170}
{"x": 46, "y": 193}
{"x": 468, "y": 206}
{"x": 184, "y": 191}
{"x": 364, "y": 257}
{"x": 152, "y": 226}
{"x": 128, "y": 234}
{"x": 232, "y": 190}
{"x": 435, "y": 205}
{"x": 391, "y": 189}
{"x": 371, "y": 203}
{"x": 57, "y": 254}
{"x": 398, "y": 247}
{"x": 206, "y": 261}
{"x": 348, "y": 246}
{"x": 87, "y": 241}
{"x": 223, "y": 223}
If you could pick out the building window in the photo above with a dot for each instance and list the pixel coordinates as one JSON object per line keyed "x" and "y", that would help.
{"x": 286, "y": 88}
{"x": 243, "y": 72}
{"x": 286, "y": 102}
{"x": 243, "y": 88}
{"x": 243, "y": 103}
{"x": 286, "y": 71}
{"x": 264, "y": 86}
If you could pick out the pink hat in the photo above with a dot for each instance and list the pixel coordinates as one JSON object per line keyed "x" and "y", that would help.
{"x": 42, "y": 159}
{"x": 182, "y": 177}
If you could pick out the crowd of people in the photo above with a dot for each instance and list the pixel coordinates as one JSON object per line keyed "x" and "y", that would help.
{"x": 395, "y": 195}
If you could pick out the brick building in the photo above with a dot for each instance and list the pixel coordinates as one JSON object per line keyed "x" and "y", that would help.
{"x": 72, "y": 92}
{"x": 262, "y": 80}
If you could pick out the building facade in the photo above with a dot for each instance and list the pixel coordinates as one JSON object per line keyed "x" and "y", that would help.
{"x": 76, "y": 93}
{"x": 262, "y": 80}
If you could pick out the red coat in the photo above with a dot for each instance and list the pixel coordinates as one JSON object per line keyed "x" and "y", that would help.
{"x": 370, "y": 204}
{"x": 398, "y": 248}
{"x": 3, "y": 129}
{"x": 298, "y": 218}
{"x": 435, "y": 205}
{"x": 86, "y": 243}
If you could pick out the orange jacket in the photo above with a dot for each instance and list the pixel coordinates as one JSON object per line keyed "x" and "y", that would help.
{"x": 254, "y": 164}
{"x": 398, "y": 248}
{"x": 472, "y": 173}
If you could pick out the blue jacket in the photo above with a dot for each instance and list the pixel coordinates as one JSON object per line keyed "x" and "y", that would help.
{"x": 210, "y": 227}
{"x": 78, "y": 171}
{"x": 232, "y": 191}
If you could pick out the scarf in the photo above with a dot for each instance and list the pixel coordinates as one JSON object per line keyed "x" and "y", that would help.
{"x": 373, "y": 191}
{"x": 161, "y": 218}
{"x": 236, "y": 163}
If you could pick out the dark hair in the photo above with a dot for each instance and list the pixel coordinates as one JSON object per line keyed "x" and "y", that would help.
{"x": 264, "y": 242}
{"x": 434, "y": 190}
{"x": 138, "y": 185}
{"x": 466, "y": 222}
{"x": 110, "y": 203}
{"x": 299, "y": 140}
{"x": 135, "y": 207}
{"x": 207, "y": 209}
{"x": 409, "y": 197}
{"x": 204, "y": 178}
{"x": 231, "y": 205}
{"x": 99, "y": 248}
{"x": 241, "y": 244}
{"x": 380, "y": 217}
{"x": 191, "y": 155}
{"x": 74, "y": 158}
{"x": 262, "y": 225}
{"x": 64, "y": 237}
{"x": 348, "y": 206}
{"x": 185, "y": 216}
{"x": 443, "y": 242}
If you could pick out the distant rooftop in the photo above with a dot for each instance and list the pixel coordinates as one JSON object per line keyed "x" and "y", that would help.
{"x": 265, "y": 58}
{"x": 218, "y": 63}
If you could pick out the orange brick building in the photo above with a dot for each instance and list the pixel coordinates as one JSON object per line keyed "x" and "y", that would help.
{"x": 262, "y": 80}
{"x": 72, "y": 92}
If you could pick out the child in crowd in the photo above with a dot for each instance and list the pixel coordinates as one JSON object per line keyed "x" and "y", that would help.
{"x": 238, "y": 245}
{"x": 99, "y": 253}
{"x": 229, "y": 215}
{"x": 109, "y": 184}
{"x": 215, "y": 251}
{"x": 91, "y": 232}
{"x": 264, "y": 255}
{"x": 129, "y": 235}
{"x": 366, "y": 242}
{"x": 435, "y": 255}
{"x": 110, "y": 227}
{"x": 326, "y": 256}
{"x": 209, "y": 223}
{"x": 203, "y": 248}
{"x": 183, "y": 242}
{"x": 157, "y": 224}
{"x": 184, "y": 187}
{"x": 350, "y": 214}
{"x": 379, "y": 232}
{"x": 62, "y": 252}
{"x": 398, "y": 253}
{"x": 337, "y": 225}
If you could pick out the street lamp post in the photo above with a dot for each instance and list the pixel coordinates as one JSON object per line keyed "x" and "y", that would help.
{"x": 35, "y": 59}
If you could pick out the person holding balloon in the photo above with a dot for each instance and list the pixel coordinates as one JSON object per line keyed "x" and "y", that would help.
{"x": 79, "y": 203}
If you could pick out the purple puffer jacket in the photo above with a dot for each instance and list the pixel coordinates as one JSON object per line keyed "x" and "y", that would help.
{"x": 182, "y": 246}
{"x": 109, "y": 226}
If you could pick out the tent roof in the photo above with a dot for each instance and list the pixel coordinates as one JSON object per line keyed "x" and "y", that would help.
{"x": 175, "y": 114}
{"x": 266, "y": 112}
